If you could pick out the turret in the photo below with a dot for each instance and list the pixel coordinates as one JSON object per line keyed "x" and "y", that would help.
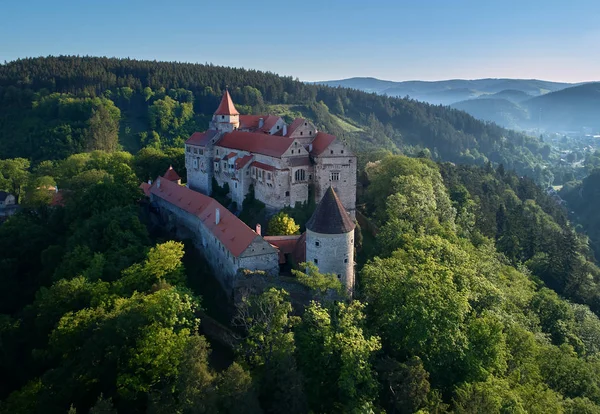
{"x": 330, "y": 239}
{"x": 172, "y": 175}
{"x": 226, "y": 117}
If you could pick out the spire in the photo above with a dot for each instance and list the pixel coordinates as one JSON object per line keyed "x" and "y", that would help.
{"x": 171, "y": 174}
{"x": 330, "y": 216}
{"x": 226, "y": 107}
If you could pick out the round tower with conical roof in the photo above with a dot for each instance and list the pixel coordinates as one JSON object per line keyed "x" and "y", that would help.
{"x": 226, "y": 117}
{"x": 330, "y": 239}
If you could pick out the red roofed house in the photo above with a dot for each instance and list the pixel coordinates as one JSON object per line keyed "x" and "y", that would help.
{"x": 280, "y": 162}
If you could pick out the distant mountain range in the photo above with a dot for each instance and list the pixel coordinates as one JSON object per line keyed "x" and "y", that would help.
{"x": 513, "y": 103}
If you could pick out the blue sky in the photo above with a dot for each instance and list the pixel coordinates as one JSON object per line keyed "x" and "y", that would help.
{"x": 322, "y": 39}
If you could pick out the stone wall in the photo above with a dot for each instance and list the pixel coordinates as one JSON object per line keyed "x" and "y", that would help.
{"x": 199, "y": 166}
{"x": 334, "y": 253}
{"x": 260, "y": 255}
{"x": 338, "y": 170}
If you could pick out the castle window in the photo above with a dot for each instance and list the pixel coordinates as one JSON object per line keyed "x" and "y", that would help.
{"x": 201, "y": 151}
{"x": 306, "y": 123}
{"x": 317, "y": 243}
{"x": 247, "y": 172}
{"x": 295, "y": 144}
{"x": 310, "y": 176}
{"x": 195, "y": 150}
{"x": 277, "y": 126}
{"x": 350, "y": 160}
{"x": 292, "y": 151}
{"x": 346, "y": 260}
{"x": 331, "y": 151}
{"x": 301, "y": 133}
{"x": 217, "y": 152}
{"x": 222, "y": 116}
{"x": 309, "y": 132}
{"x": 351, "y": 240}
{"x": 188, "y": 149}
{"x": 287, "y": 193}
{"x": 235, "y": 185}
{"x": 339, "y": 276}
{"x": 335, "y": 176}
{"x": 268, "y": 176}
{"x": 316, "y": 261}
{"x": 300, "y": 175}
{"x": 342, "y": 151}
{"x": 225, "y": 165}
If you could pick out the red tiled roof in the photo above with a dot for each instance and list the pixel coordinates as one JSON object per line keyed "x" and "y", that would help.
{"x": 58, "y": 199}
{"x": 262, "y": 166}
{"x": 171, "y": 174}
{"x": 241, "y": 162}
{"x": 235, "y": 235}
{"x": 321, "y": 142}
{"x": 294, "y": 125}
{"x": 289, "y": 245}
{"x": 252, "y": 122}
{"x": 230, "y": 155}
{"x": 270, "y": 122}
{"x": 145, "y": 188}
{"x": 226, "y": 107}
{"x": 202, "y": 138}
{"x": 265, "y": 144}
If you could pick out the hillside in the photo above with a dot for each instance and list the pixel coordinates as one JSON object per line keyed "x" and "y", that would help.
{"x": 440, "y": 92}
{"x": 52, "y": 107}
{"x": 501, "y": 111}
{"x": 568, "y": 109}
{"x": 553, "y": 106}
{"x": 512, "y": 95}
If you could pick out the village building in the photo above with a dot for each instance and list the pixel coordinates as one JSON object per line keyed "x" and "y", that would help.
{"x": 281, "y": 162}
{"x": 8, "y": 204}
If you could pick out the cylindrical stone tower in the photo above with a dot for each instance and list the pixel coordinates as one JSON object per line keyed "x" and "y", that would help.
{"x": 330, "y": 239}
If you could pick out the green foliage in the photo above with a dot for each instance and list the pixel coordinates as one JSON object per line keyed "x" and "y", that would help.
{"x": 282, "y": 225}
{"x": 320, "y": 283}
{"x": 335, "y": 355}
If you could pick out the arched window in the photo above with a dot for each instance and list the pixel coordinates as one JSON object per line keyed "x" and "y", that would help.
{"x": 300, "y": 175}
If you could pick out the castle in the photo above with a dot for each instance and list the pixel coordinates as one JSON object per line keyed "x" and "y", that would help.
{"x": 280, "y": 162}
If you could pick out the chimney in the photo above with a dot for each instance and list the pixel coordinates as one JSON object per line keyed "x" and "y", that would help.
{"x": 284, "y": 130}
{"x": 261, "y": 122}
{"x": 258, "y": 229}
{"x": 217, "y": 216}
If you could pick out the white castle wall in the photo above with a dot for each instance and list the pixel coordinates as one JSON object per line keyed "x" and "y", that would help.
{"x": 334, "y": 254}
{"x": 260, "y": 255}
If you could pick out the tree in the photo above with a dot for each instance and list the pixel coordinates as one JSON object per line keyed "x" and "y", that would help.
{"x": 14, "y": 175}
{"x": 103, "y": 130}
{"x": 282, "y": 225}
{"x": 319, "y": 282}
{"x": 334, "y": 354}
{"x": 268, "y": 349}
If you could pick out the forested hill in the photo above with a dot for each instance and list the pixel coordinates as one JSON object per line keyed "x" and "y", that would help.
{"x": 55, "y": 106}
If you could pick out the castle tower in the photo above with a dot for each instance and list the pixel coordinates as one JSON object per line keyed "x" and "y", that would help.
{"x": 330, "y": 239}
{"x": 226, "y": 117}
